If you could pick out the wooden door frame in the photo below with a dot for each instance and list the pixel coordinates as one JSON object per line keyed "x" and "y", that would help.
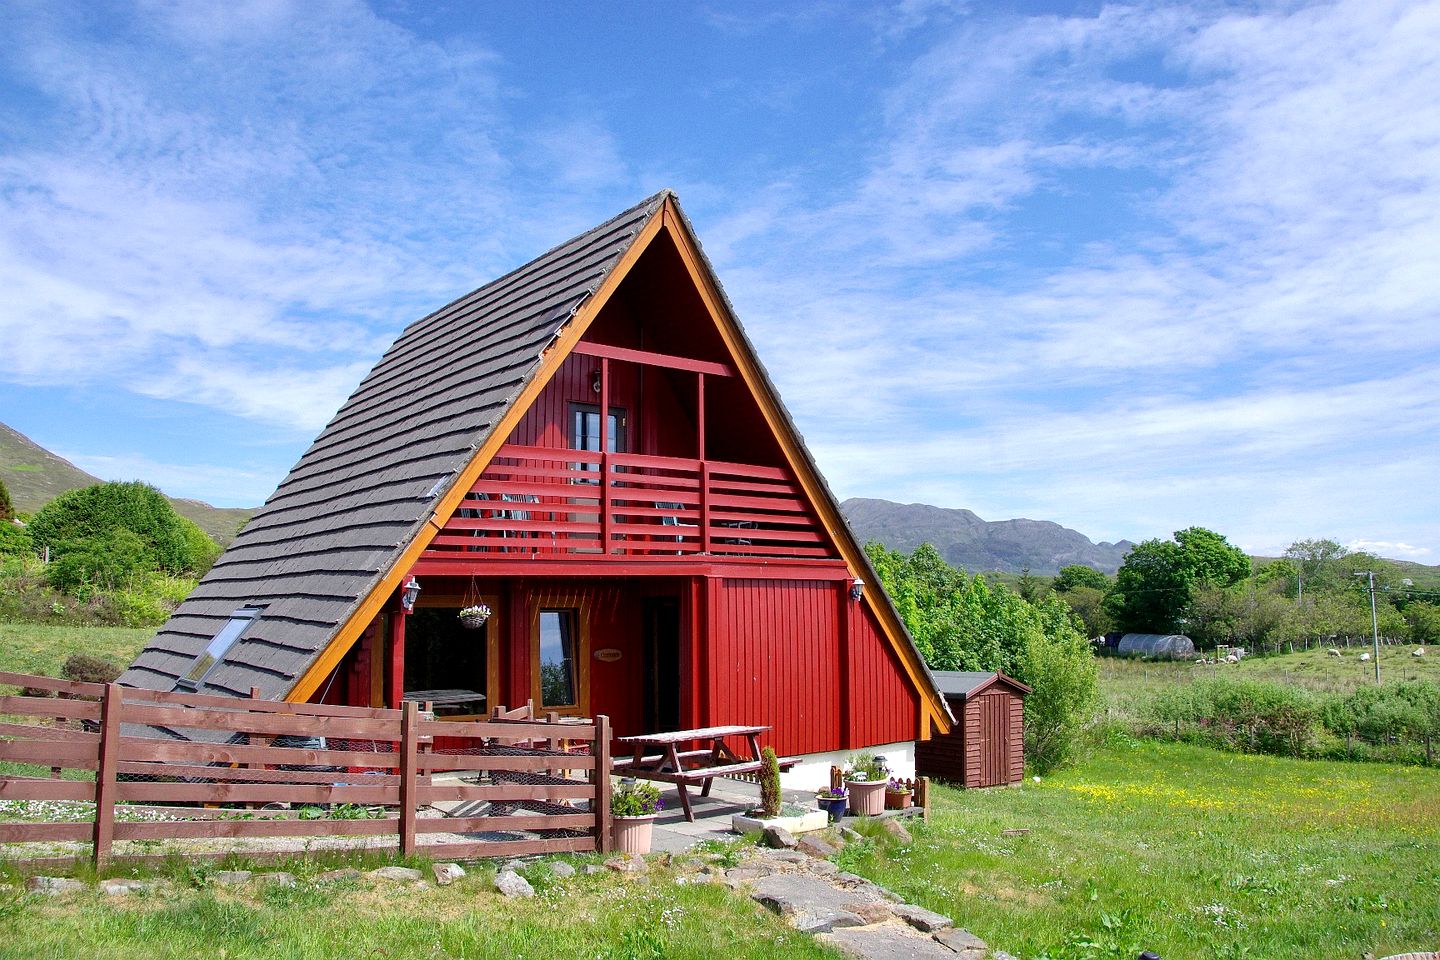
{"x": 493, "y": 633}
{"x": 547, "y": 600}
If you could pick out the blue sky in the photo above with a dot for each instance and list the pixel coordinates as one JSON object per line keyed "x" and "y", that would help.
{"x": 1125, "y": 267}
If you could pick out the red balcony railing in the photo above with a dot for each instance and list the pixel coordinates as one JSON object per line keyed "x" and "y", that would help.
{"x": 571, "y": 503}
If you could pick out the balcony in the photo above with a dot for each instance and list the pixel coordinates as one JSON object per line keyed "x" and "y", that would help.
{"x": 551, "y": 504}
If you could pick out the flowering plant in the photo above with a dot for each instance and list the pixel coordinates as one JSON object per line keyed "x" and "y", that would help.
{"x": 636, "y": 800}
{"x": 865, "y": 767}
{"x": 479, "y": 610}
{"x": 832, "y": 793}
{"x": 899, "y": 786}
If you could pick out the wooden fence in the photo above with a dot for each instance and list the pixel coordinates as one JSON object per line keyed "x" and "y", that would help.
{"x": 189, "y": 766}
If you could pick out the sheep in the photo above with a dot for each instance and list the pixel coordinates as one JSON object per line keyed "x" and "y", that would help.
{"x": 1364, "y": 657}
{"x": 1231, "y": 658}
{"x": 1418, "y": 652}
{"x": 1334, "y": 652}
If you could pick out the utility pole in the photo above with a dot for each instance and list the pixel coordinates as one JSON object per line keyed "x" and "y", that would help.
{"x": 1369, "y": 575}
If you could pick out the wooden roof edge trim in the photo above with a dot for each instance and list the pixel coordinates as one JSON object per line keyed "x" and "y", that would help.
{"x": 999, "y": 677}
{"x": 792, "y": 443}
{"x": 384, "y": 584}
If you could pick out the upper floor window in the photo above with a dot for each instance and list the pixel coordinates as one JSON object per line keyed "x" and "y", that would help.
{"x": 585, "y": 428}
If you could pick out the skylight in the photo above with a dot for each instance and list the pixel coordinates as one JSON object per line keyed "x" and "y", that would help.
{"x": 216, "y": 649}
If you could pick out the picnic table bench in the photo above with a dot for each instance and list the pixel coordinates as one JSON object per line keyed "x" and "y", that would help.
{"x": 696, "y": 766}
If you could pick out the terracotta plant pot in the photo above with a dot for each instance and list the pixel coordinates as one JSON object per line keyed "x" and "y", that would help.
{"x": 897, "y": 799}
{"x": 632, "y": 834}
{"x": 867, "y": 798}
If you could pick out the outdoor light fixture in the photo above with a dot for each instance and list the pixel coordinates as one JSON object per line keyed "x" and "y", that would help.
{"x": 857, "y": 589}
{"x": 595, "y": 381}
{"x": 409, "y": 593}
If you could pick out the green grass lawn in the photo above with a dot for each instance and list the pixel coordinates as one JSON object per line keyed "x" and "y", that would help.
{"x": 36, "y": 648}
{"x": 605, "y": 916}
{"x": 1189, "y": 852}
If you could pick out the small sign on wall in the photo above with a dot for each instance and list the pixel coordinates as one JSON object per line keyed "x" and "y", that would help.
{"x": 607, "y": 654}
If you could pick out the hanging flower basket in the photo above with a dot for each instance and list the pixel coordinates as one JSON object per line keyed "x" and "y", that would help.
{"x": 473, "y": 618}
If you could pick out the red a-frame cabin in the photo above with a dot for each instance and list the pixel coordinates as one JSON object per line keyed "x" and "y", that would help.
{"x": 630, "y": 500}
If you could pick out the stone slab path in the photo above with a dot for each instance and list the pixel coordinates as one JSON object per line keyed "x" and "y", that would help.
{"x": 855, "y": 916}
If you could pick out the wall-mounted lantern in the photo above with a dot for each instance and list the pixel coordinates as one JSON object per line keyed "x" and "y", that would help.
{"x": 857, "y": 589}
{"x": 409, "y": 593}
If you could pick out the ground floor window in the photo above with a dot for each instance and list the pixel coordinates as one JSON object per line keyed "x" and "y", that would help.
{"x": 558, "y": 654}
{"x": 443, "y": 656}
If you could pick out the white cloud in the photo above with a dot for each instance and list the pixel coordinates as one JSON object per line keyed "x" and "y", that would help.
{"x": 1386, "y": 548}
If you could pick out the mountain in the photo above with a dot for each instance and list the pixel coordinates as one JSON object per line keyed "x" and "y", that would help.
{"x": 35, "y": 476}
{"x": 967, "y": 541}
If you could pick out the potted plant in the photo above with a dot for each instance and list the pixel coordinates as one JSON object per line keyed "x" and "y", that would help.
{"x": 633, "y": 808}
{"x": 866, "y": 779}
{"x": 772, "y": 811}
{"x": 473, "y": 617}
{"x": 898, "y": 794}
{"x": 833, "y": 801}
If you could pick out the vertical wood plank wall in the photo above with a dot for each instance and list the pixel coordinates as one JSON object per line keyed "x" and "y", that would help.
{"x": 986, "y": 748}
{"x": 774, "y": 657}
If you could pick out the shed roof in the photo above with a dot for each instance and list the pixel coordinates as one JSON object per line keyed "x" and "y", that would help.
{"x": 361, "y": 492}
{"x": 967, "y": 683}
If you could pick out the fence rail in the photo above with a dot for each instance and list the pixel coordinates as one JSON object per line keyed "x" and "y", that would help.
{"x": 204, "y": 764}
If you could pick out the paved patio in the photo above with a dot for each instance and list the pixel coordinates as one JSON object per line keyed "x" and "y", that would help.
{"x": 673, "y": 833}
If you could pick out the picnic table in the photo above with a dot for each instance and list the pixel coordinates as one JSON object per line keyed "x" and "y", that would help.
{"x": 462, "y": 701}
{"x": 697, "y": 765}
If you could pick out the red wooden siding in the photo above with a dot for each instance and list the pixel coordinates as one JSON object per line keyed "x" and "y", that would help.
{"x": 773, "y": 658}
{"x": 884, "y": 706}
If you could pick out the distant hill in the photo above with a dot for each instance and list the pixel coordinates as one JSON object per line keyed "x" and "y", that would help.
{"x": 965, "y": 540}
{"x": 35, "y": 476}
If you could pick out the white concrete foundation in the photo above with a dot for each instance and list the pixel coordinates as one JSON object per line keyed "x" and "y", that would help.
{"x": 813, "y": 770}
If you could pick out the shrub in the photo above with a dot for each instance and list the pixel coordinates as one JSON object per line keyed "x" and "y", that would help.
{"x": 769, "y": 783}
{"x": 7, "y": 509}
{"x": 1063, "y": 677}
{"x": 105, "y": 561}
{"x": 88, "y": 669}
{"x": 80, "y": 517}
{"x": 15, "y": 540}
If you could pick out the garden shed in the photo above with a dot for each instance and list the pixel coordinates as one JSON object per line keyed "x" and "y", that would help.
{"x": 986, "y": 745}
{"x": 1175, "y": 646}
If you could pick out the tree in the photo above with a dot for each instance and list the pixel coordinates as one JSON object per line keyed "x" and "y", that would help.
{"x": 1078, "y": 575}
{"x": 7, "y": 509}
{"x": 1088, "y": 605}
{"x": 1314, "y": 563}
{"x": 1063, "y": 677}
{"x": 1029, "y": 586}
{"x": 1155, "y": 585}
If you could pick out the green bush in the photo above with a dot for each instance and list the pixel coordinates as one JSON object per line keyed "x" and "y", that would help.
{"x": 7, "y": 509}
{"x": 88, "y": 669}
{"x": 105, "y": 561}
{"x": 15, "y": 540}
{"x": 1254, "y": 716}
{"x": 84, "y": 519}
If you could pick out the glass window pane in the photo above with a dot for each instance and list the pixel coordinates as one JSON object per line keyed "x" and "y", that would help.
{"x": 216, "y": 648}
{"x": 558, "y": 633}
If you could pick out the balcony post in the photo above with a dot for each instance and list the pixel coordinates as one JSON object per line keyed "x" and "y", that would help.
{"x": 604, "y": 455}
{"x": 704, "y": 466}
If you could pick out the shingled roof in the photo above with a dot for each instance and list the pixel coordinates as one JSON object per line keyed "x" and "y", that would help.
{"x": 343, "y": 516}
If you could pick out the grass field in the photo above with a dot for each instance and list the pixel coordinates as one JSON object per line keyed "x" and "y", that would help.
{"x": 35, "y": 648}
{"x": 1188, "y": 852}
{"x": 1127, "y": 682}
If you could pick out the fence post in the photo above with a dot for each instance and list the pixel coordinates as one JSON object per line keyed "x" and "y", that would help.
{"x": 105, "y": 767}
{"x": 603, "y": 840}
{"x": 922, "y": 793}
{"x": 409, "y": 776}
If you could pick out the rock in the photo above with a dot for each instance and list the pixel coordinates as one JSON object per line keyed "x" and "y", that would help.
{"x": 511, "y": 884}
{"x": 593, "y": 868}
{"x": 396, "y": 873}
{"x": 1015, "y": 832}
{"x": 877, "y": 912}
{"x": 626, "y": 863}
{"x": 823, "y": 868}
{"x": 784, "y": 856}
{"x": 121, "y": 888}
{"x": 779, "y": 838}
{"x": 517, "y": 866}
{"x": 926, "y": 921}
{"x": 276, "y": 878}
{"x": 896, "y": 829}
{"x": 748, "y": 873}
{"x": 53, "y": 886}
{"x": 850, "y": 835}
{"x": 447, "y": 873}
{"x": 229, "y": 878}
{"x": 885, "y": 942}
{"x": 561, "y": 869}
{"x": 809, "y": 903}
{"x": 343, "y": 875}
{"x": 817, "y": 847}
{"x": 963, "y": 942}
